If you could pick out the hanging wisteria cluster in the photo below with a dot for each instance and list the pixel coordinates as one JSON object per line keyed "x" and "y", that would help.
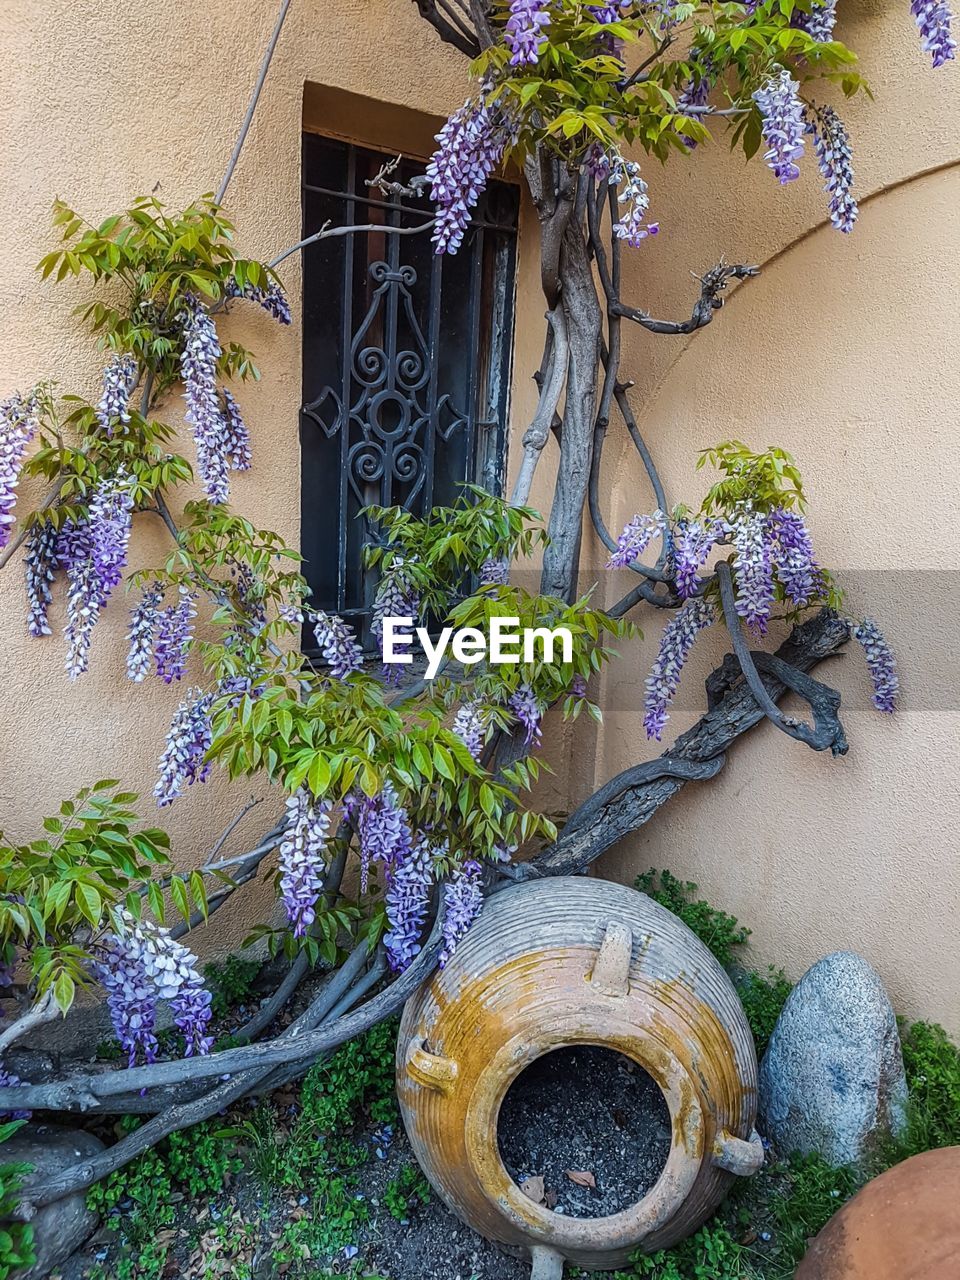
{"x": 39, "y": 568}
{"x": 635, "y": 537}
{"x": 782, "y": 124}
{"x": 526, "y": 706}
{"x": 94, "y": 554}
{"x": 338, "y": 645}
{"x": 19, "y": 421}
{"x": 463, "y": 902}
{"x": 409, "y": 886}
{"x": 470, "y": 147}
{"x": 303, "y": 858}
{"x": 933, "y": 19}
{"x": 189, "y": 737}
{"x": 771, "y": 547}
{"x": 272, "y": 299}
{"x": 119, "y": 379}
{"x": 396, "y": 598}
{"x": 174, "y": 631}
{"x": 832, "y": 146}
{"x": 881, "y": 663}
{"x": 675, "y": 645}
{"x": 383, "y": 830}
{"x": 524, "y": 32}
{"x": 139, "y": 965}
{"x": 471, "y": 724}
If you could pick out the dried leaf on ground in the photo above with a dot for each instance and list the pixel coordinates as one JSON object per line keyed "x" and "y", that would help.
{"x": 533, "y": 1189}
{"x": 582, "y": 1177}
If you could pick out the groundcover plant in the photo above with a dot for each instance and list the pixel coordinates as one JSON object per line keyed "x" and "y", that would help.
{"x": 426, "y": 783}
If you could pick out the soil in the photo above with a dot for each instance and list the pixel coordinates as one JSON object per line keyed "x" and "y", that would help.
{"x": 592, "y": 1125}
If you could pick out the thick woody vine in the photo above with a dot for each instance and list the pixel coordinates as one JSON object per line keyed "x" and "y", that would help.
{"x": 424, "y": 783}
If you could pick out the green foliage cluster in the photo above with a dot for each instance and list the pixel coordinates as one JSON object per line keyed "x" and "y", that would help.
{"x": 932, "y": 1063}
{"x": 16, "y": 1238}
{"x": 404, "y": 1192}
{"x": 140, "y": 1197}
{"x": 719, "y": 932}
{"x": 319, "y": 1155}
{"x": 577, "y": 93}
{"x": 58, "y": 891}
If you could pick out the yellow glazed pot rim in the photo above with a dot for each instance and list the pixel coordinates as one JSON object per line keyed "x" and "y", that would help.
{"x": 621, "y": 1230}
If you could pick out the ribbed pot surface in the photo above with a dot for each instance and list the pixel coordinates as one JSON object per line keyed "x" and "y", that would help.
{"x": 563, "y": 961}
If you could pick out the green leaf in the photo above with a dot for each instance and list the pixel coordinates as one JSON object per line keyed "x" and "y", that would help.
{"x": 64, "y": 989}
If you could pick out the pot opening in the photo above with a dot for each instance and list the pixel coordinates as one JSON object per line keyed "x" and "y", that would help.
{"x": 584, "y": 1131}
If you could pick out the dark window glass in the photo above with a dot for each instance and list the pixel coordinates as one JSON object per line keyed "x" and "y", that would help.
{"x": 406, "y": 362}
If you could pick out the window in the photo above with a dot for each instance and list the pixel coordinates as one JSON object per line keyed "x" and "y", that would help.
{"x": 406, "y": 363}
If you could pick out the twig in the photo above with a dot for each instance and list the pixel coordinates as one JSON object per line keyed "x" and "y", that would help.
{"x": 232, "y": 826}
{"x": 45, "y": 1010}
{"x": 824, "y": 702}
{"x": 252, "y": 105}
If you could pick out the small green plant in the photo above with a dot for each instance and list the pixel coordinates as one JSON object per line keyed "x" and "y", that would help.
{"x": 140, "y": 1196}
{"x": 326, "y": 1228}
{"x": 815, "y": 1191}
{"x": 710, "y": 1254}
{"x": 405, "y": 1192}
{"x": 715, "y": 929}
{"x": 230, "y": 983}
{"x": 763, "y": 998}
{"x": 932, "y": 1063}
{"x": 16, "y": 1238}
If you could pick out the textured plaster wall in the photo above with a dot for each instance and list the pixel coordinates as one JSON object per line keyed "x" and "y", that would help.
{"x": 840, "y": 352}
{"x": 99, "y": 104}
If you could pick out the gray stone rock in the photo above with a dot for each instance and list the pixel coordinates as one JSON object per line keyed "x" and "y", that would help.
{"x": 832, "y": 1079}
{"x": 62, "y": 1227}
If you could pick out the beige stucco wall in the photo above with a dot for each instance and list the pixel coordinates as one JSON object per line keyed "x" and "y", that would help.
{"x": 840, "y": 352}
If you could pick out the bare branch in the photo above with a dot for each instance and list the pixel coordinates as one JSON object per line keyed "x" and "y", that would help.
{"x": 712, "y": 285}
{"x": 252, "y": 105}
{"x": 824, "y": 702}
{"x": 45, "y": 1010}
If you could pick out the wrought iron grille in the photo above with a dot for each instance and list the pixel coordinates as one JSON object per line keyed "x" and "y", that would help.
{"x": 406, "y": 363}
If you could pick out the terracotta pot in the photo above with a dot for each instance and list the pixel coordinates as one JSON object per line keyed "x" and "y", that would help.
{"x": 564, "y": 961}
{"x": 904, "y": 1225}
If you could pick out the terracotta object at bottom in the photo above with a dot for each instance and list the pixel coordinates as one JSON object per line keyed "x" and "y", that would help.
{"x": 904, "y": 1225}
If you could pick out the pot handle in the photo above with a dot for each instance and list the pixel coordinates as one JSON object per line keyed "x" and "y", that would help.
{"x": 737, "y": 1156}
{"x": 429, "y": 1069}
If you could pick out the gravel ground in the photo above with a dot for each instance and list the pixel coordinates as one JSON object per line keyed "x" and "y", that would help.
{"x": 592, "y": 1125}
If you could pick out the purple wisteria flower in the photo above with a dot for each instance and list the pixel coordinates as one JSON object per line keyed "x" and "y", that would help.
{"x": 495, "y": 572}
{"x": 205, "y": 413}
{"x": 407, "y": 900}
{"x": 933, "y": 19}
{"x": 94, "y": 554}
{"x": 525, "y": 705}
{"x": 635, "y": 538}
{"x": 463, "y": 901}
{"x": 882, "y": 664}
{"x": 272, "y": 299}
{"x": 39, "y": 566}
{"x": 692, "y": 544}
{"x": 338, "y": 644}
{"x": 832, "y": 146}
{"x": 303, "y": 858}
{"x": 525, "y": 34}
{"x": 396, "y": 598}
{"x": 137, "y": 966}
{"x": 675, "y": 645}
{"x": 19, "y": 420}
{"x": 693, "y": 96}
{"x": 609, "y": 12}
{"x": 183, "y": 761}
{"x": 792, "y": 549}
{"x": 632, "y": 226}
{"x": 471, "y": 145}
{"x": 174, "y": 634}
{"x": 470, "y": 724}
{"x": 383, "y": 829}
{"x": 781, "y": 124}
{"x": 119, "y": 379}
{"x": 236, "y": 438}
{"x": 754, "y": 570}
{"x": 144, "y": 620}
{"x": 819, "y": 22}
